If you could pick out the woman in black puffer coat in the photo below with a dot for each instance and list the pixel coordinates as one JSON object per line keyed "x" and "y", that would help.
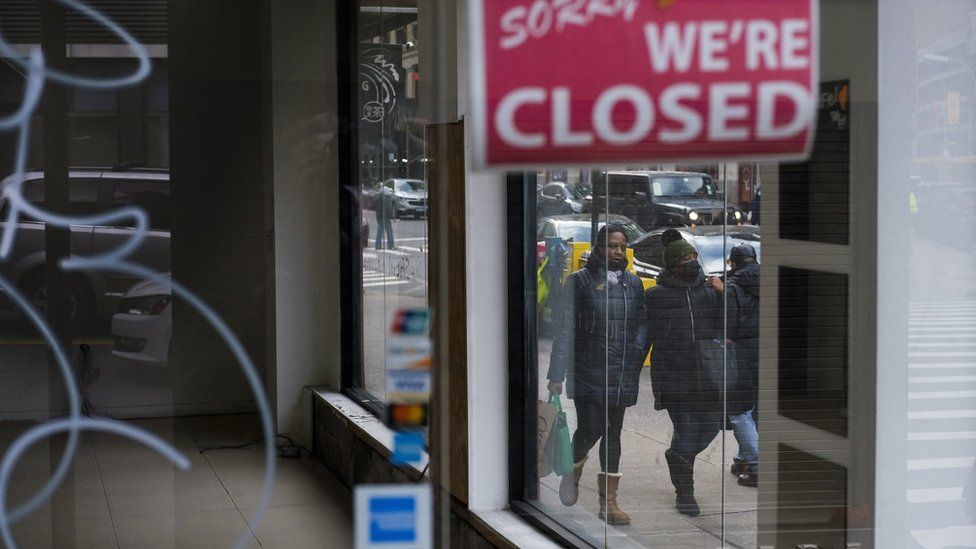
{"x": 599, "y": 349}
{"x": 684, "y": 316}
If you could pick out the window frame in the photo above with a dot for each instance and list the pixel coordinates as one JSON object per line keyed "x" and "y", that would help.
{"x": 523, "y": 359}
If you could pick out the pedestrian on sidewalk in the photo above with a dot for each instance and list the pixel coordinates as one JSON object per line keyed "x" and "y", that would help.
{"x": 742, "y": 300}
{"x": 684, "y": 316}
{"x": 599, "y": 348}
{"x": 385, "y": 212}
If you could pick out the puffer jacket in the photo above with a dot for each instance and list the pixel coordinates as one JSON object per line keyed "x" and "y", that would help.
{"x": 600, "y": 341}
{"x": 742, "y": 294}
{"x": 679, "y": 315}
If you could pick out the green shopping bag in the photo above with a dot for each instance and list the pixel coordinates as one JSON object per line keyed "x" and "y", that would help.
{"x": 562, "y": 459}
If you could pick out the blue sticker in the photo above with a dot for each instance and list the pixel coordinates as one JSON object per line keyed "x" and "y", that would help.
{"x": 392, "y": 519}
{"x": 408, "y": 447}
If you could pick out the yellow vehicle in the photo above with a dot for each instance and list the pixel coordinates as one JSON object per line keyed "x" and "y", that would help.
{"x": 579, "y": 251}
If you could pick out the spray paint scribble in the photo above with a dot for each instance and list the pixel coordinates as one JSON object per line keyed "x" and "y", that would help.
{"x": 37, "y": 73}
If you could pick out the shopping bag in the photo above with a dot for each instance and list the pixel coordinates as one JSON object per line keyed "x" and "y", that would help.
{"x": 562, "y": 459}
{"x": 544, "y": 438}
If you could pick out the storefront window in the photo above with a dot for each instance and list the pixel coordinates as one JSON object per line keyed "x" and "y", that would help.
{"x": 709, "y": 348}
{"x": 393, "y": 179}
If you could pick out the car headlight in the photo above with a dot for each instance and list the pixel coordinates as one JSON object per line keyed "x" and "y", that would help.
{"x": 738, "y": 215}
{"x": 144, "y": 305}
{"x": 693, "y": 216}
{"x": 577, "y": 207}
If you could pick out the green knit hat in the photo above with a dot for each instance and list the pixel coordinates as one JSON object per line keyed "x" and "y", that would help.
{"x": 676, "y": 250}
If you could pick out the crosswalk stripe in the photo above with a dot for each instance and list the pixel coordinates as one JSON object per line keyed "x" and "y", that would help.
{"x": 934, "y": 495}
{"x": 941, "y": 463}
{"x": 966, "y": 344}
{"x": 942, "y": 354}
{"x": 939, "y": 365}
{"x": 942, "y": 435}
{"x": 940, "y": 394}
{"x": 941, "y": 379}
{"x": 942, "y": 414}
{"x": 385, "y": 283}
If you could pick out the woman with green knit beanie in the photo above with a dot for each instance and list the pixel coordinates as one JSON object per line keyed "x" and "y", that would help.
{"x": 682, "y": 312}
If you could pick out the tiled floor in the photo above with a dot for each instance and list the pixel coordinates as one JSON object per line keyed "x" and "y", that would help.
{"x": 120, "y": 494}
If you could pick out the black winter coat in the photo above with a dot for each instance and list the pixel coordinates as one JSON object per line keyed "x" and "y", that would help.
{"x": 600, "y": 342}
{"x": 742, "y": 294}
{"x": 673, "y": 307}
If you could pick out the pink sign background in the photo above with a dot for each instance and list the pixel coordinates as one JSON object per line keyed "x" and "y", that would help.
{"x": 602, "y": 82}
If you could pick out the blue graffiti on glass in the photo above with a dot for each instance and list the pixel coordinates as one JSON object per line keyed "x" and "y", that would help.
{"x": 36, "y": 74}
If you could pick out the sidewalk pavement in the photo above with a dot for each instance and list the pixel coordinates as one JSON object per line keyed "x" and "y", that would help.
{"x": 646, "y": 493}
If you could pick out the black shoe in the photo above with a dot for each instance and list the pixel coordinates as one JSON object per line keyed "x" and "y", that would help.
{"x": 687, "y": 505}
{"x": 749, "y": 479}
{"x": 740, "y": 467}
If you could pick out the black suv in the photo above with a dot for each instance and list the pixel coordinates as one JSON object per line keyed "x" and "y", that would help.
{"x": 666, "y": 199}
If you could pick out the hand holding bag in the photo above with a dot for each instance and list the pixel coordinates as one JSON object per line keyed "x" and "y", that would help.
{"x": 562, "y": 463}
{"x": 544, "y": 440}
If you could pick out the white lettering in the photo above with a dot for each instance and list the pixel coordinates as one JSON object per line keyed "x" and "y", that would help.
{"x": 721, "y": 111}
{"x": 643, "y": 114}
{"x": 802, "y": 100}
{"x": 505, "y": 118}
{"x": 761, "y": 36}
{"x": 599, "y": 7}
{"x": 569, "y": 12}
{"x": 562, "y": 133}
{"x": 511, "y": 24}
{"x": 712, "y": 46}
{"x": 793, "y": 41}
{"x": 672, "y": 108}
{"x": 674, "y": 46}
{"x": 540, "y": 18}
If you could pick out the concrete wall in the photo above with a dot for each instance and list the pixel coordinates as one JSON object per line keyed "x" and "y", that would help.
{"x": 303, "y": 223}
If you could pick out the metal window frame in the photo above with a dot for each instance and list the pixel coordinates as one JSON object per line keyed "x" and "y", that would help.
{"x": 523, "y": 362}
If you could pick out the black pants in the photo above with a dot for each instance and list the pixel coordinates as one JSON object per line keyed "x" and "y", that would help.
{"x": 694, "y": 429}
{"x": 384, "y": 225}
{"x": 597, "y": 422}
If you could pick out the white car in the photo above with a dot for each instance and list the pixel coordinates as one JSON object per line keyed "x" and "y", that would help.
{"x": 143, "y": 326}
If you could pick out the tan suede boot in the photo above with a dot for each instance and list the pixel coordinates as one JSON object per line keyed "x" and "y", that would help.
{"x": 569, "y": 484}
{"x": 608, "y": 483}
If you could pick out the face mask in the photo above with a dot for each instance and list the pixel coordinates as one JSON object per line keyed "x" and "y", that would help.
{"x": 690, "y": 271}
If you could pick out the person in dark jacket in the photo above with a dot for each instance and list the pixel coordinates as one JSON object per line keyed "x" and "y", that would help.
{"x": 385, "y": 212}
{"x": 599, "y": 349}
{"x": 683, "y": 315}
{"x": 742, "y": 297}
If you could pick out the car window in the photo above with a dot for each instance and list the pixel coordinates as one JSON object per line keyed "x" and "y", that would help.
{"x": 151, "y": 195}
{"x": 554, "y": 191}
{"x": 82, "y": 193}
{"x": 712, "y": 254}
{"x": 411, "y": 186}
{"x": 683, "y": 185}
{"x": 650, "y": 251}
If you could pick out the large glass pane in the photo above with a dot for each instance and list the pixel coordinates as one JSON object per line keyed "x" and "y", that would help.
{"x": 393, "y": 178}
{"x": 629, "y": 415}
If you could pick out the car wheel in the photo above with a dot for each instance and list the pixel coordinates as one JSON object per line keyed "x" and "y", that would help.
{"x": 81, "y": 301}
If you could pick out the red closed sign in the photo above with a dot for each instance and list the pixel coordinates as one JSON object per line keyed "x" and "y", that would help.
{"x": 599, "y": 82}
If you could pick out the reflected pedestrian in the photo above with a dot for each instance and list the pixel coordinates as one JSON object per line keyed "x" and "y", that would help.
{"x": 684, "y": 315}
{"x": 742, "y": 297}
{"x": 599, "y": 349}
{"x": 385, "y": 212}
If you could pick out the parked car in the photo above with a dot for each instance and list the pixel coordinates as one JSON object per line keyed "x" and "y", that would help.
{"x": 559, "y": 198}
{"x": 410, "y": 195}
{"x": 90, "y": 191}
{"x": 713, "y": 242}
{"x": 143, "y": 326}
{"x": 667, "y": 199}
{"x": 578, "y": 228}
